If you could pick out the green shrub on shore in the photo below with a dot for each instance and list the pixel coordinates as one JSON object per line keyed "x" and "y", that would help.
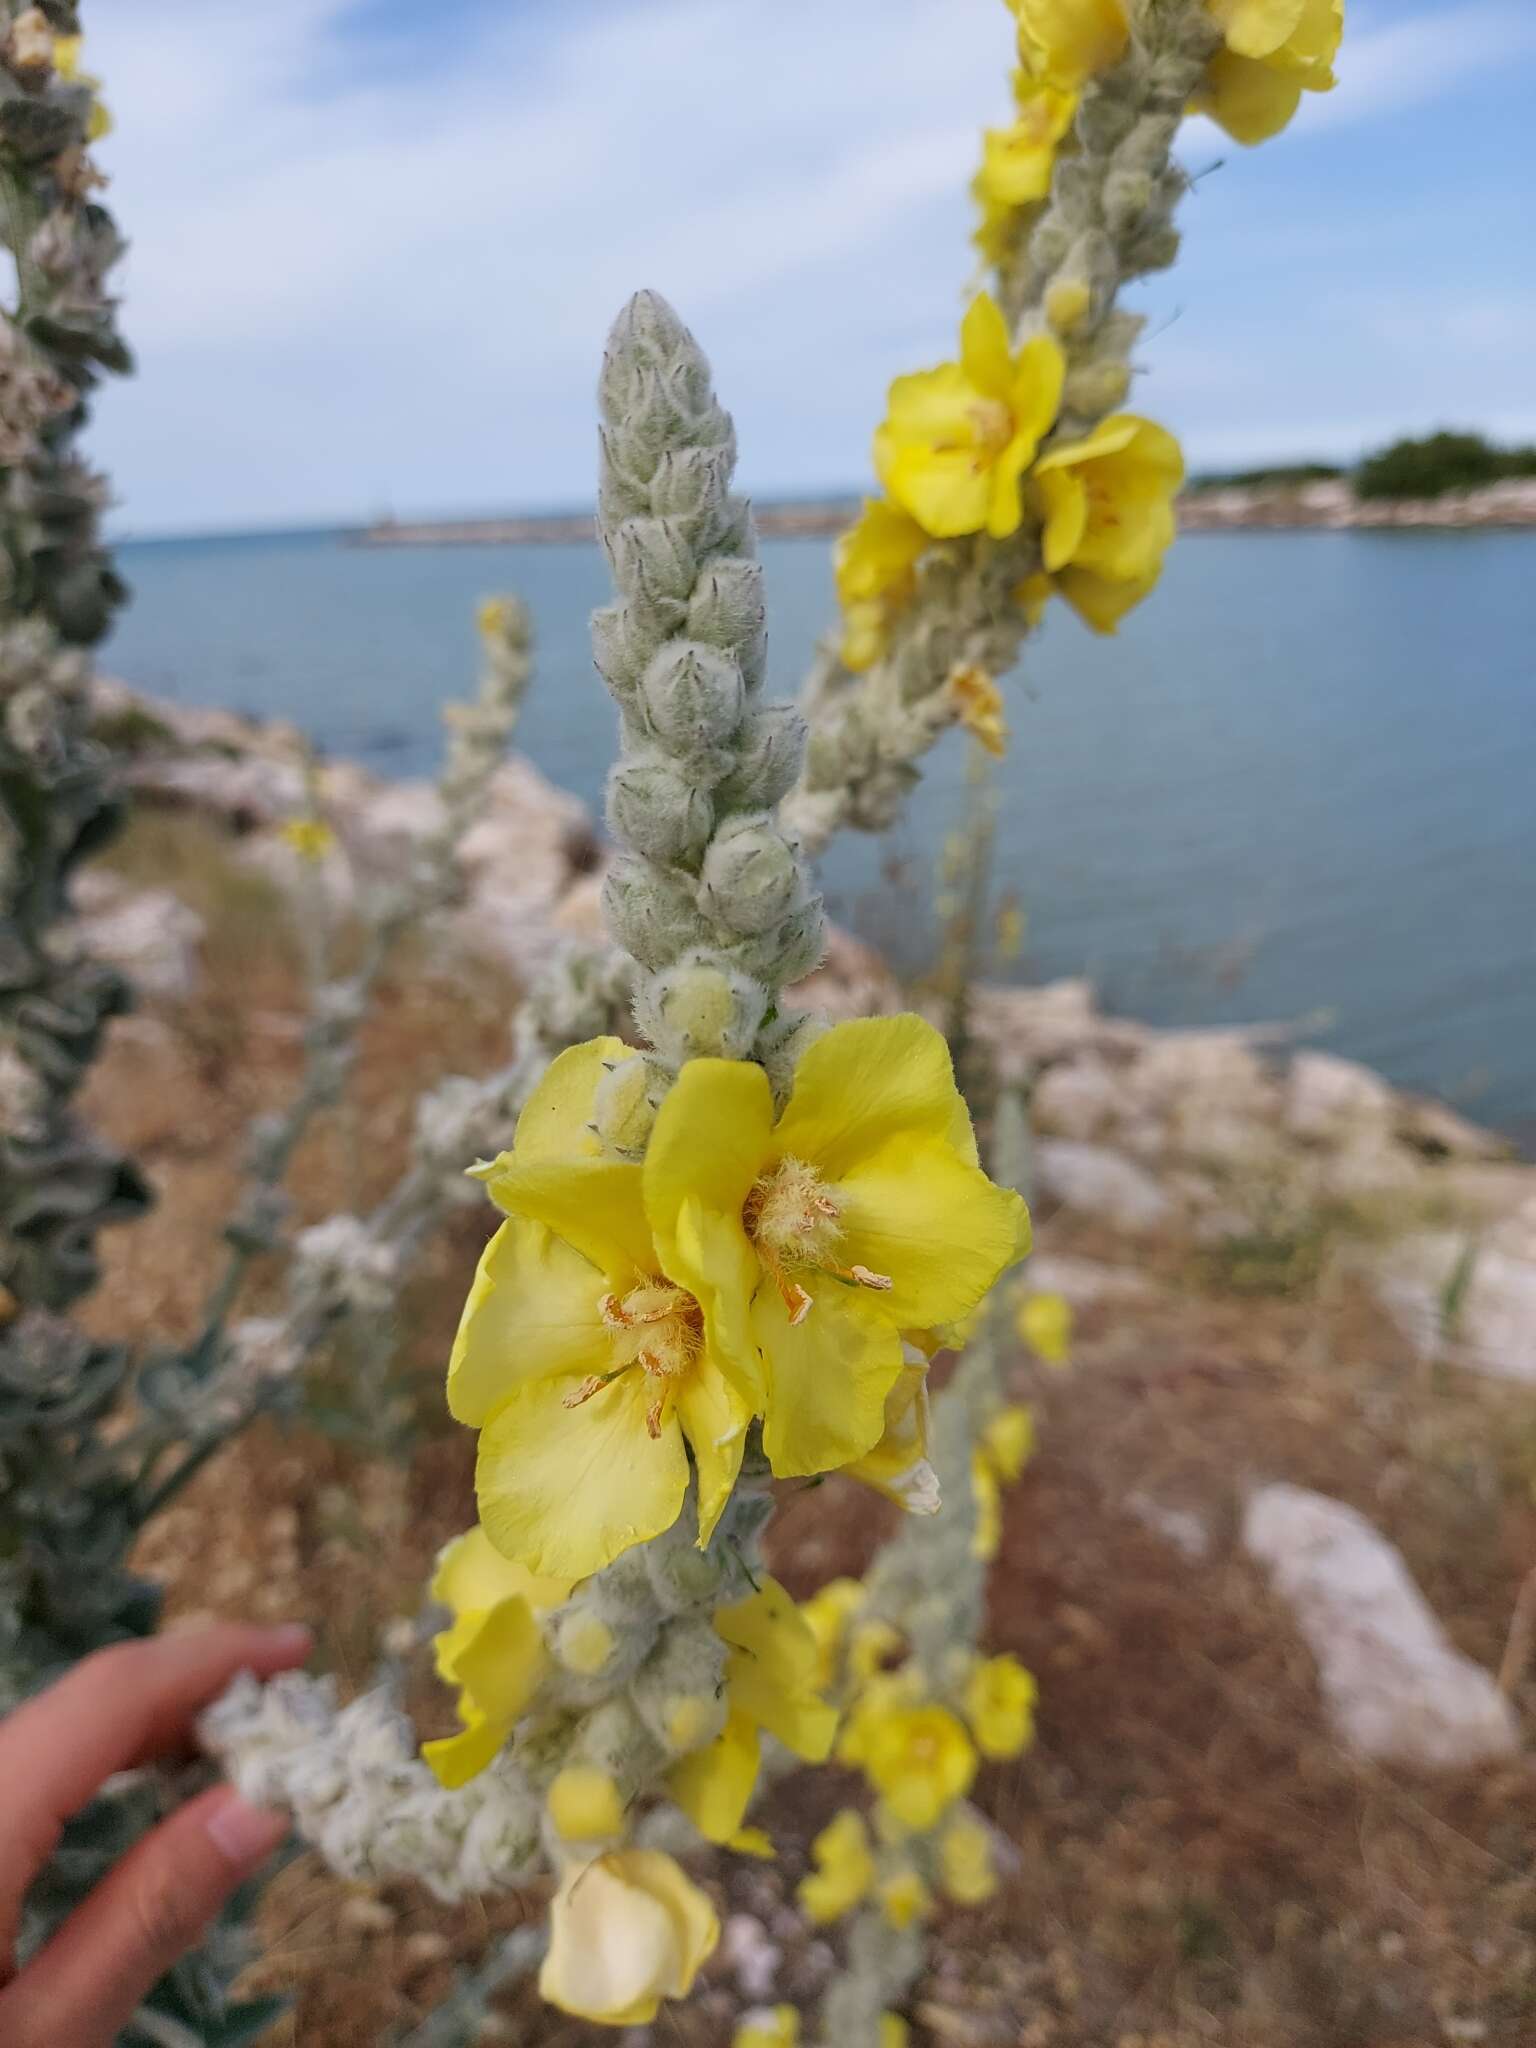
{"x": 1440, "y": 462}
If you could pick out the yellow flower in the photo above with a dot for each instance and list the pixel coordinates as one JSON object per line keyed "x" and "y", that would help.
{"x": 894, "y": 2031}
{"x": 814, "y": 1240}
{"x": 987, "y": 1538}
{"x": 827, "y": 1614}
{"x": 978, "y": 704}
{"x": 1000, "y": 1706}
{"x": 898, "y": 1465}
{"x": 1275, "y": 51}
{"x": 310, "y": 838}
{"x": 66, "y": 61}
{"x": 776, "y": 2026}
{"x": 1044, "y": 1321}
{"x": 626, "y": 1930}
{"x": 584, "y": 1804}
{"x": 956, "y": 440}
{"x": 920, "y": 1760}
{"x": 772, "y": 1669}
{"x": 876, "y": 564}
{"x": 1008, "y": 1440}
{"x": 871, "y": 1647}
{"x": 844, "y": 1871}
{"x": 1071, "y": 41}
{"x": 493, "y": 1652}
{"x": 965, "y": 1862}
{"x": 1107, "y": 506}
{"x": 1011, "y": 925}
{"x": 1017, "y": 161}
{"x": 587, "y": 1371}
{"x": 904, "y": 1898}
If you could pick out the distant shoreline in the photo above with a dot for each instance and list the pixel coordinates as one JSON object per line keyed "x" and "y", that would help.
{"x": 1321, "y": 507}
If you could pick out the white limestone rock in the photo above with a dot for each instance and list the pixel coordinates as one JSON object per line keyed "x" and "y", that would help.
{"x": 1101, "y": 1183}
{"x": 1394, "y": 1687}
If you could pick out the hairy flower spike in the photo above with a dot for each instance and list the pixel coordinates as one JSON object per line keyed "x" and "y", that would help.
{"x": 709, "y": 877}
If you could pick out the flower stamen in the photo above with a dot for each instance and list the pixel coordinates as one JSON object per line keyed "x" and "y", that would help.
{"x": 794, "y": 1219}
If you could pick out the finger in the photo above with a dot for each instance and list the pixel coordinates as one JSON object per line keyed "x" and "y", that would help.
{"x": 84, "y": 1986}
{"x": 114, "y": 1710}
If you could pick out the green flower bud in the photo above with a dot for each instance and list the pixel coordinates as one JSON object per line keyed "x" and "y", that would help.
{"x": 783, "y": 1046}
{"x": 693, "y": 696}
{"x": 752, "y": 877}
{"x": 1096, "y": 388}
{"x": 677, "y": 1692}
{"x": 652, "y": 918}
{"x": 613, "y": 1738}
{"x": 701, "y": 1010}
{"x": 769, "y": 749}
{"x": 791, "y": 950}
{"x": 726, "y": 610}
{"x": 1127, "y": 195}
{"x": 651, "y": 559}
{"x": 692, "y": 482}
{"x": 652, "y": 809}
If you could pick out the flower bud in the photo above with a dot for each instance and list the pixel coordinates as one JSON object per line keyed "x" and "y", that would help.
{"x": 585, "y": 1805}
{"x": 654, "y": 810}
{"x": 752, "y": 876}
{"x": 650, "y": 916}
{"x": 693, "y": 696}
{"x": 726, "y": 610}
{"x": 700, "y": 1010}
{"x": 678, "y": 1693}
{"x": 789, "y": 950}
{"x": 782, "y": 1049}
{"x": 1127, "y": 195}
{"x": 690, "y": 482}
{"x": 1096, "y": 388}
{"x": 769, "y": 749}
{"x": 621, "y": 652}
{"x": 1068, "y": 301}
{"x": 613, "y": 1738}
{"x": 651, "y": 559}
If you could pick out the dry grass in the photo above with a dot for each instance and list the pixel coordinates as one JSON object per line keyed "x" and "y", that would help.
{"x": 1198, "y": 1864}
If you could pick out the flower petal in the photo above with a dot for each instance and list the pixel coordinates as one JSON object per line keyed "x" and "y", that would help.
{"x": 863, "y": 1083}
{"x": 567, "y": 1490}
{"x": 626, "y": 1931}
{"x": 557, "y": 1117}
{"x": 595, "y": 1205}
{"x": 714, "y": 1786}
{"x": 455, "y": 1759}
{"x": 532, "y": 1311}
{"x": 472, "y": 1576}
{"x": 714, "y": 1419}
{"x": 937, "y": 1228}
{"x": 985, "y": 354}
{"x": 827, "y": 1378}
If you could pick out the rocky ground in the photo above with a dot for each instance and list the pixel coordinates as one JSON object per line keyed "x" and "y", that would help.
{"x": 1265, "y": 1564}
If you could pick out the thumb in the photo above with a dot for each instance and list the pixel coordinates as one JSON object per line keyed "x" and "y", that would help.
{"x": 148, "y": 1911}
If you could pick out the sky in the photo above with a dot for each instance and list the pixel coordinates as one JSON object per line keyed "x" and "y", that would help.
{"x": 376, "y": 244}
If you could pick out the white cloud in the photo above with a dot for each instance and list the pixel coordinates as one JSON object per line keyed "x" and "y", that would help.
{"x": 354, "y": 283}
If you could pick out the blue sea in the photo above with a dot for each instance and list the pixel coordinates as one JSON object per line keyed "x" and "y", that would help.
{"x": 1300, "y": 785}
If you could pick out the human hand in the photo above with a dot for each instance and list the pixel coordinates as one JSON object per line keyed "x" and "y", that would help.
{"x": 121, "y": 1707}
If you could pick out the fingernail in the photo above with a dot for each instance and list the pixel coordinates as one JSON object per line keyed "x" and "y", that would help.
{"x": 244, "y": 1835}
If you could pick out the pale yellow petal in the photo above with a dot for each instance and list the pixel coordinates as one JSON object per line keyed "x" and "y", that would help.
{"x": 595, "y": 1205}
{"x": 827, "y": 1378}
{"x": 714, "y": 1419}
{"x": 986, "y": 355}
{"x": 939, "y": 1230}
{"x": 1101, "y": 601}
{"x": 556, "y": 1119}
{"x": 455, "y": 1759}
{"x": 1252, "y": 101}
{"x": 472, "y": 1575}
{"x": 714, "y": 1786}
{"x": 863, "y": 1083}
{"x": 567, "y": 1490}
{"x": 626, "y": 1931}
{"x": 532, "y": 1311}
